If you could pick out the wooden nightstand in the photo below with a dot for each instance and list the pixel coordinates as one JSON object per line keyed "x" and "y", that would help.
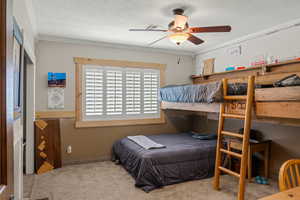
{"x": 263, "y": 146}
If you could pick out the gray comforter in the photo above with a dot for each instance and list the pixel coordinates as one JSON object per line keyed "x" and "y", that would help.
{"x": 184, "y": 158}
{"x": 200, "y": 93}
{"x": 197, "y": 93}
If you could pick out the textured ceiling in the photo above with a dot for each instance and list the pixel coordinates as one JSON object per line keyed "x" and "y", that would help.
{"x": 109, "y": 20}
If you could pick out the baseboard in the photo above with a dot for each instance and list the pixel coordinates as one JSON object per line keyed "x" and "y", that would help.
{"x": 77, "y": 162}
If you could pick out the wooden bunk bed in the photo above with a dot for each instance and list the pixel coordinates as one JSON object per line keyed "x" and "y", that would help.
{"x": 277, "y": 105}
{"x": 281, "y": 104}
{"x": 244, "y": 138}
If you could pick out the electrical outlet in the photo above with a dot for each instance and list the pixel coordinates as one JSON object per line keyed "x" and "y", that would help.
{"x": 69, "y": 149}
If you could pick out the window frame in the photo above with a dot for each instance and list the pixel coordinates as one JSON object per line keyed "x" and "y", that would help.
{"x": 80, "y": 62}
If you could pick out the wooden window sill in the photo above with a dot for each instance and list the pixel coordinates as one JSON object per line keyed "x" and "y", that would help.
{"x": 90, "y": 124}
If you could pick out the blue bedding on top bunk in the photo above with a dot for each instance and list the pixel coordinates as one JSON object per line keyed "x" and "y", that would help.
{"x": 206, "y": 93}
{"x": 200, "y": 93}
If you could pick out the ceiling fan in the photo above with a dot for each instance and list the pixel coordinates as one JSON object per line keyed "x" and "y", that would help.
{"x": 180, "y": 31}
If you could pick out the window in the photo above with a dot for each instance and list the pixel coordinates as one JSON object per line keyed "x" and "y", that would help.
{"x": 111, "y": 93}
{"x": 133, "y": 92}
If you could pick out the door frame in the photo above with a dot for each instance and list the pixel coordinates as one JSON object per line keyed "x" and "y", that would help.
{"x": 29, "y": 73}
{"x": 6, "y": 100}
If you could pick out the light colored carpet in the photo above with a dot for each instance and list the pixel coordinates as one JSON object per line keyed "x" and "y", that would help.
{"x": 28, "y": 181}
{"x": 107, "y": 181}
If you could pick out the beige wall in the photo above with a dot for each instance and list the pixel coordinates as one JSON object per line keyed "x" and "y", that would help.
{"x": 283, "y": 44}
{"x": 285, "y": 139}
{"x": 58, "y": 57}
{"x": 24, "y": 16}
{"x": 90, "y": 144}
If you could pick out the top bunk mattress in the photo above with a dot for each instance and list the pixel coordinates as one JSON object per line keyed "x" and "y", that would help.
{"x": 200, "y": 93}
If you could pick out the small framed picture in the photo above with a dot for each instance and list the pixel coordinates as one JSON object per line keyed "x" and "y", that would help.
{"x": 57, "y": 79}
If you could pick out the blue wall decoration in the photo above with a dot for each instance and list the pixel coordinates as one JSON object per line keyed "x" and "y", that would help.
{"x": 56, "y": 79}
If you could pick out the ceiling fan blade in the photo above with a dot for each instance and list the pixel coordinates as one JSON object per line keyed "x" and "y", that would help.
{"x": 158, "y": 30}
{"x": 210, "y": 29}
{"x": 195, "y": 40}
{"x": 152, "y": 43}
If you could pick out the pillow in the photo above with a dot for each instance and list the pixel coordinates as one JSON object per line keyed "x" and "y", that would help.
{"x": 204, "y": 136}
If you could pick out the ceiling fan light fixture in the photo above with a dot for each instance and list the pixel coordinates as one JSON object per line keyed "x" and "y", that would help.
{"x": 179, "y": 30}
{"x": 178, "y": 38}
{"x": 180, "y": 21}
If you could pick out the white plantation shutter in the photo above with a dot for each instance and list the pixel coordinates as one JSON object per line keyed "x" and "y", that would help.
{"x": 117, "y": 93}
{"x": 93, "y": 88}
{"x": 114, "y": 93}
{"x": 151, "y": 86}
{"x": 133, "y": 92}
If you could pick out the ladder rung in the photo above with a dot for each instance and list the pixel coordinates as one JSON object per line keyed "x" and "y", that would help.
{"x": 231, "y": 153}
{"x": 235, "y": 97}
{"x": 233, "y": 116}
{"x": 232, "y": 134}
{"x": 228, "y": 171}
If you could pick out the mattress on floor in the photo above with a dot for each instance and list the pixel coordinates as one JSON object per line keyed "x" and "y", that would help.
{"x": 184, "y": 158}
{"x": 200, "y": 93}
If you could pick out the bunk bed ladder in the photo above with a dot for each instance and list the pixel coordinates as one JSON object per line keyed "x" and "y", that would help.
{"x": 244, "y": 137}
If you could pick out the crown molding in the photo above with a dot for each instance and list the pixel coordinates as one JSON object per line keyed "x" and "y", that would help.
{"x": 50, "y": 38}
{"x": 266, "y": 32}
